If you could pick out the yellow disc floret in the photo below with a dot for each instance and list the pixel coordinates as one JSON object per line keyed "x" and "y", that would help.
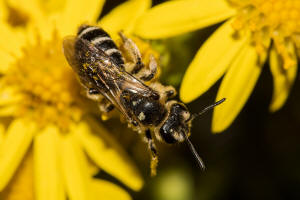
{"x": 47, "y": 84}
{"x": 275, "y": 19}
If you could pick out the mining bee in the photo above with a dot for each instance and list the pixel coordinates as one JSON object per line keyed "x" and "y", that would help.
{"x": 116, "y": 82}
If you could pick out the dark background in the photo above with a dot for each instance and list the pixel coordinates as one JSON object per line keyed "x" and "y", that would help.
{"x": 256, "y": 158}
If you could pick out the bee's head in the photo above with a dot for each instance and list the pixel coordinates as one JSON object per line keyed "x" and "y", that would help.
{"x": 176, "y": 127}
{"x": 176, "y": 124}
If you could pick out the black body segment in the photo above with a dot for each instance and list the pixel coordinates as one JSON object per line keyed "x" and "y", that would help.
{"x": 148, "y": 110}
{"x": 102, "y": 41}
{"x": 91, "y": 32}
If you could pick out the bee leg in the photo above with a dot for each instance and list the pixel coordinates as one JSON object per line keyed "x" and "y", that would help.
{"x": 133, "y": 68}
{"x": 153, "y": 151}
{"x": 147, "y": 74}
{"x": 165, "y": 92}
{"x": 93, "y": 91}
{"x": 105, "y": 106}
{"x": 93, "y": 94}
{"x": 170, "y": 92}
{"x": 142, "y": 72}
{"x": 133, "y": 53}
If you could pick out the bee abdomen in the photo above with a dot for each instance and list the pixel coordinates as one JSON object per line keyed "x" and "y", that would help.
{"x": 102, "y": 41}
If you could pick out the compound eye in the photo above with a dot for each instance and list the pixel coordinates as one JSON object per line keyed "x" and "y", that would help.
{"x": 167, "y": 134}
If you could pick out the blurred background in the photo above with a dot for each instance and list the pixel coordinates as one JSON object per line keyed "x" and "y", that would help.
{"x": 256, "y": 158}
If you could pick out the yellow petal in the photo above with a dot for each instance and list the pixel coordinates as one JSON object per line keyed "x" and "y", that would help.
{"x": 35, "y": 17}
{"x": 211, "y": 61}
{"x": 75, "y": 169}
{"x": 16, "y": 142}
{"x": 2, "y": 131}
{"x": 6, "y": 61}
{"x": 29, "y": 7}
{"x": 106, "y": 190}
{"x": 11, "y": 46}
{"x": 21, "y": 184}
{"x": 237, "y": 86}
{"x": 107, "y": 154}
{"x": 283, "y": 79}
{"x": 13, "y": 42}
{"x": 124, "y": 16}
{"x": 9, "y": 110}
{"x": 47, "y": 173}
{"x": 50, "y": 7}
{"x": 9, "y": 95}
{"x": 181, "y": 16}
{"x": 3, "y": 12}
{"x": 77, "y": 12}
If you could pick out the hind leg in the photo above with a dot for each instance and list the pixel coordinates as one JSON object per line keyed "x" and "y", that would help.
{"x": 153, "y": 151}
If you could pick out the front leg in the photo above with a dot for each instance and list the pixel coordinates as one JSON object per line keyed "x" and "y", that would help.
{"x": 153, "y": 151}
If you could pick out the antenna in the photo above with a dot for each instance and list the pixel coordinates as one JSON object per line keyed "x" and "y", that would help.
{"x": 194, "y": 152}
{"x": 207, "y": 108}
{"x": 189, "y": 143}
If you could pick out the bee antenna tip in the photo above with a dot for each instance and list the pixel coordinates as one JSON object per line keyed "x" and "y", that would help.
{"x": 195, "y": 153}
{"x": 207, "y": 108}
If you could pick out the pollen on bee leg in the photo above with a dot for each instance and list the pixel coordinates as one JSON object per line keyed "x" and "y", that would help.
{"x": 153, "y": 165}
{"x": 104, "y": 117}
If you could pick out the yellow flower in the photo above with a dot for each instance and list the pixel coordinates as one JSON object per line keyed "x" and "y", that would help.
{"x": 42, "y": 111}
{"x": 238, "y": 48}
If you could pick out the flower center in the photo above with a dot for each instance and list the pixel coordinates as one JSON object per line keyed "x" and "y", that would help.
{"x": 275, "y": 19}
{"x": 50, "y": 91}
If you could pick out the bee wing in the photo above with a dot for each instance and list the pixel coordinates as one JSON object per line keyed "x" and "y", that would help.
{"x": 113, "y": 93}
{"x": 69, "y": 52}
{"x": 129, "y": 83}
{"x": 111, "y": 80}
{"x": 116, "y": 81}
{"x": 113, "y": 71}
{"x": 136, "y": 86}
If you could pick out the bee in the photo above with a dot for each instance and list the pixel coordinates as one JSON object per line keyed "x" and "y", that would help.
{"x": 119, "y": 83}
